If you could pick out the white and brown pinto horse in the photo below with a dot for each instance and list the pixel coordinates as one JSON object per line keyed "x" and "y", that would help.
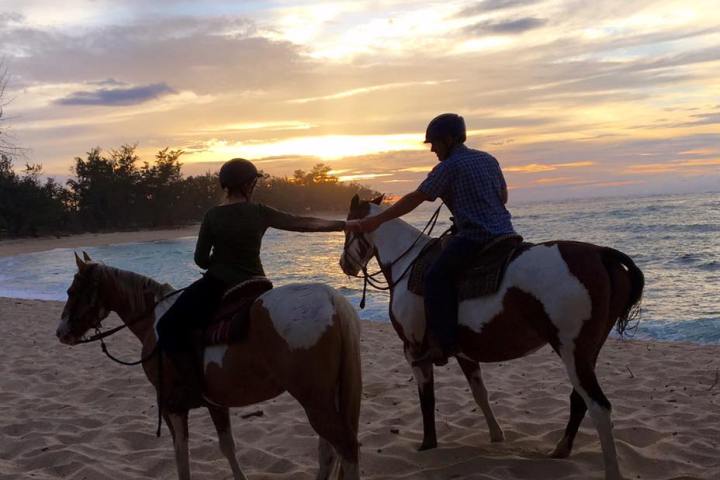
{"x": 302, "y": 339}
{"x": 567, "y": 294}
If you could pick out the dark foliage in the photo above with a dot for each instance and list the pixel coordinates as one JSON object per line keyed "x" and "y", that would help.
{"x": 111, "y": 192}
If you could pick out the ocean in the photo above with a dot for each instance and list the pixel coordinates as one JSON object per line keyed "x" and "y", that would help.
{"x": 674, "y": 239}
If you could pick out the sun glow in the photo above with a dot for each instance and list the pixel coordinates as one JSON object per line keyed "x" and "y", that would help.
{"x": 325, "y": 147}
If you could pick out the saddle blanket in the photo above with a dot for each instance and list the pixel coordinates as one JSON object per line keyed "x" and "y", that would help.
{"x": 485, "y": 270}
{"x": 230, "y": 323}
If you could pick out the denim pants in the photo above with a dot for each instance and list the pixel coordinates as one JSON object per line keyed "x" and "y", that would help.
{"x": 192, "y": 310}
{"x": 441, "y": 295}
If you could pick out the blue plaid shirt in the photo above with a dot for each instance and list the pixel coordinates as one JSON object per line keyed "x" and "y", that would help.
{"x": 470, "y": 183}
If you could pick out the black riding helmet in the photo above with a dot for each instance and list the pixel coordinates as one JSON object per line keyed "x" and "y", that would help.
{"x": 237, "y": 172}
{"x": 446, "y": 124}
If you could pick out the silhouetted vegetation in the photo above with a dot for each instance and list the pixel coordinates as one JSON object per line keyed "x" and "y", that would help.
{"x": 112, "y": 191}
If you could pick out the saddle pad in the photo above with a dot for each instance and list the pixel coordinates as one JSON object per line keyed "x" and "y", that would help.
{"x": 485, "y": 270}
{"x": 230, "y": 323}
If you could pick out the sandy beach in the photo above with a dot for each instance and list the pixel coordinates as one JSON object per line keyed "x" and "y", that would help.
{"x": 71, "y": 413}
{"x": 18, "y": 246}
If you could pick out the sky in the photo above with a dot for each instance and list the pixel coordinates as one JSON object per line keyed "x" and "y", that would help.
{"x": 574, "y": 98}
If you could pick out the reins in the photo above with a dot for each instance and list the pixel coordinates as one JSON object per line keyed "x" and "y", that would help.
{"x": 100, "y": 336}
{"x": 388, "y": 284}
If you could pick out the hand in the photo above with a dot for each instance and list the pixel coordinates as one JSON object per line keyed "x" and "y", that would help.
{"x": 363, "y": 225}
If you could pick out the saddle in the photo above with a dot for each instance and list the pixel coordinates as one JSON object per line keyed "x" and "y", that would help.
{"x": 485, "y": 270}
{"x": 230, "y": 322}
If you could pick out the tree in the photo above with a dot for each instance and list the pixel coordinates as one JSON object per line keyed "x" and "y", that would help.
{"x": 7, "y": 148}
{"x": 161, "y": 184}
{"x": 26, "y": 206}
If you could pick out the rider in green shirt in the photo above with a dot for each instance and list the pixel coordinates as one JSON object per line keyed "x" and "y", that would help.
{"x": 228, "y": 247}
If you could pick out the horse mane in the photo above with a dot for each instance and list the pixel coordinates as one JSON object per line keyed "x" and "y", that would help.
{"x": 131, "y": 286}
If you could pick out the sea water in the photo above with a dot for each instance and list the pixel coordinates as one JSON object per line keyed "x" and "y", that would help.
{"x": 674, "y": 239}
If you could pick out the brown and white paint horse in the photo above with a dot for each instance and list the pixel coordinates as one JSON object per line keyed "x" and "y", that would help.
{"x": 567, "y": 294}
{"x": 302, "y": 338}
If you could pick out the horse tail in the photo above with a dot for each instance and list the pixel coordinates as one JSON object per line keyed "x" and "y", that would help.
{"x": 637, "y": 283}
{"x": 350, "y": 387}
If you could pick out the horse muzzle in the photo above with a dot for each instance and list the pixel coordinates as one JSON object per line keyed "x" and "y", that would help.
{"x": 348, "y": 268}
{"x": 65, "y": 334}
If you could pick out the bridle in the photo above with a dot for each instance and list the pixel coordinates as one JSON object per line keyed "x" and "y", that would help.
{"x": 100, "y": 336}
{"x": 388, "y": 283}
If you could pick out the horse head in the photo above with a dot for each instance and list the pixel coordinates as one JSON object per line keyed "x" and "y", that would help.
{"x": 85, "y": 308}
{"x": 359, "y": 247}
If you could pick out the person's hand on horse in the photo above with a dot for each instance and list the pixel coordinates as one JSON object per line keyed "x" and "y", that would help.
{"x": 363, "y": 225}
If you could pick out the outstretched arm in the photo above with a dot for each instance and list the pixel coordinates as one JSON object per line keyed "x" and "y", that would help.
{"x": 285, "y": 221}
{"x": 405, "y": 205}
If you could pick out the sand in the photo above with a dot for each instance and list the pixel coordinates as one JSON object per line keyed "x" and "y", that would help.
{"x": 70, "y": 413}
{"x": 9, "y": 247}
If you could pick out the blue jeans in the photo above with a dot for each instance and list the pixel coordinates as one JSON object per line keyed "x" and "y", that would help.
{"x": 441, "y": 294}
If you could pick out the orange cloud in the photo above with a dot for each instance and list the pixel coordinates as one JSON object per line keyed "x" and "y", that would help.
{"x": 541, "y": 167}
{"x": 362, "y": 176}
{"x": 421, "y": 169}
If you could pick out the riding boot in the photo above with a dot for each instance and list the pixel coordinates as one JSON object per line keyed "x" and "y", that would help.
{"x": 186, "y": 383}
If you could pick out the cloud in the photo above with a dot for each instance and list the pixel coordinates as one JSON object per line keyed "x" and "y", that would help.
{"x": 673, "y": 166}
{"x": 581, "y": 77}
{"x": 536, "y": 167}
{"x": 705, "y": 119}
{"x": 493, "y": 5}
{"x": 117, "y": 96}
{"x": 362, "y": 176}
{"x": 370, "y": 89}
{"x": 507, "y": 27}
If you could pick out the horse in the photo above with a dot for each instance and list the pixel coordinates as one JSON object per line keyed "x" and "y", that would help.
{"x": 567, "y": 294}
{"x": 301, "y": 338}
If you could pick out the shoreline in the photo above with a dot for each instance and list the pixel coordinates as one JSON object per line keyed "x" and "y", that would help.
{"x": 20, "y": 246}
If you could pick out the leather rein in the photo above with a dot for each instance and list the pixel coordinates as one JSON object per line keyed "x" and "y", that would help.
{"x": 100, "y": 336}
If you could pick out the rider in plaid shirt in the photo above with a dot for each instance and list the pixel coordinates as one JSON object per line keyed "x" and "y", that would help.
{"x": 472, "y": 185}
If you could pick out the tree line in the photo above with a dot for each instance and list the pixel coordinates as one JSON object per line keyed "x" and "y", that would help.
{"x": 114, "y": 190}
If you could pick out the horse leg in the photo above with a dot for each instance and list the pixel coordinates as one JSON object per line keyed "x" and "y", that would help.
{"x": 326, "y": 459}
{"x": 331, "y": 427}
{"x": 473, "y": 374}
{"x": 178, "y": 425}
{"x": 221, "y": 419}
{"x": 426, "y": 390}
{"x": 582, "y": 376}
{"x": 577, "y": 413}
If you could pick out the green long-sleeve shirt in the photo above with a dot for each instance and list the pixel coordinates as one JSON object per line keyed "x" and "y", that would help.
{"x": 234, "y": 234}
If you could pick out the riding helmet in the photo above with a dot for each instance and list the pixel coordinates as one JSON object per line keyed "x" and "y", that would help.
{"x": 446, "y": 124}
{"x": 237, "y": 172}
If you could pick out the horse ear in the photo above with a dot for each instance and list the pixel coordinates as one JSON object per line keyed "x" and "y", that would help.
{"x": 86, "y": 257}
{"x": 378, "y": 200}
{"x": 355, "y": 202}
{"x": 80, "y": 264}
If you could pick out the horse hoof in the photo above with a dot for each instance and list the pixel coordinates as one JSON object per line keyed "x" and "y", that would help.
{"x": 560, "y": 452}
{"x": 427, "y": 446}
